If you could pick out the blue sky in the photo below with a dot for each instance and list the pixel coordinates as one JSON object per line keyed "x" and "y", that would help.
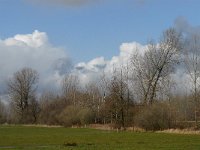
{"x": 95, "y": 29}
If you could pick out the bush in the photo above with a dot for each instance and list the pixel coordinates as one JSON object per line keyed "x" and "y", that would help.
{"x": 72, "y": 115}
{"x": 69, "y": 116}
{"x": 155, "y": 117}
{"x": 50, "y": 110}
{"x": 85, "y": 115}
{"x": 2, "y": 113}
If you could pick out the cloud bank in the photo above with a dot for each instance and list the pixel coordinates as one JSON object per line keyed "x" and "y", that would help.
{"x": 35, "y": 51}
{"x": 52, "y": 63}
{"x": 93, "y": 70}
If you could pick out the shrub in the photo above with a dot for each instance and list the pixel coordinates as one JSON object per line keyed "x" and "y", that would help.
{"x": 69, "y": 116}
{"x": 155, "y": 117}
{"x": 3, "y": 114}
{"x": 74, "y": 115}
{"x": 85, "y": 115}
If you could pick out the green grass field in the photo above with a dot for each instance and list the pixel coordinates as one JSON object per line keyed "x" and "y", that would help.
{"x": 43, "y": 138}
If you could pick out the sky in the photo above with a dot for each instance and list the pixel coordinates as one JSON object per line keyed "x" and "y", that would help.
{"x": 91, "y": 34}
{"x": 92, "y": 29}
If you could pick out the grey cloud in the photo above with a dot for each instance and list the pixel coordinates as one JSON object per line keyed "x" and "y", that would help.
{"x": 141, "y": 2}
{"x": 182, "y": 25}
{"x": 191, "y": 34}
{"x": 100, "y": 66}
{"x": 78, "y": 3}
{"x": 191, "y": 38}
{"x": 62, "y": 65}
{"x": 80, "y": 68}
{"x": 82, "y": 71}
{"x": 70, "y": 3}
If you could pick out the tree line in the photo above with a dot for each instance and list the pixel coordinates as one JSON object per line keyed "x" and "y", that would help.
{"x": 138, "y": 94}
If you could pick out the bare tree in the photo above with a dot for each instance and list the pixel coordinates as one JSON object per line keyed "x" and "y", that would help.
{"x": 117, "y": 98}
{"x": 51, "y": 106}
{"x": 156, "y": 64}
{"x": 70, "y": 86}
{"x": 34, "y": 109}
{"x": 94, "y": 100}
{"x": 21, "y": 89}
{"x": 192, "y": 63}
{"x": 2, "y": 112}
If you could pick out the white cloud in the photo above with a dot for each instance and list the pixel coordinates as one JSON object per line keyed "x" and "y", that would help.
{"x": 127, "y": 48}
{"x": 32, "y": 50}
{"x": 35, "y": 40}
{"x": 92, "y": 70}
{"x": 94, "y": 65}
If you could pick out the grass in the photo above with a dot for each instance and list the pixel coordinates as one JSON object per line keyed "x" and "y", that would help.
{"x": 43, "y": 138}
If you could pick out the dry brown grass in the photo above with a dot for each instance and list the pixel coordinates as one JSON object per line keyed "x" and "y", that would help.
{"x": 42, "y": 125}
{"x": 110, "y": 127}
{"x": 180, "y": 131}
{"x": 101, "y": 126}
{"x": 135, "y": 129}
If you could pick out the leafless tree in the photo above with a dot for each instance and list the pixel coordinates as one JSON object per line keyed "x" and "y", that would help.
{"x": 70, "y": 86}
{"x": 94, "y": 100}
{"x": 192, "y": 63}
{"x": 21, "y": 89}
{"x": 2, "y": 112}
{"x": 156, "y": 63}
{"x": 51, "y": 106}
{"x": 117, "y": 98}
{"x": 34, "y": 109}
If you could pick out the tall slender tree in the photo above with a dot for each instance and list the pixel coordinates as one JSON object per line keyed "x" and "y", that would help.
{"x": 192, "y": 63}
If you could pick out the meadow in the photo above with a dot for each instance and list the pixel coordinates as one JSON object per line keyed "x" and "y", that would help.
{"x": 60, "y": 138}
